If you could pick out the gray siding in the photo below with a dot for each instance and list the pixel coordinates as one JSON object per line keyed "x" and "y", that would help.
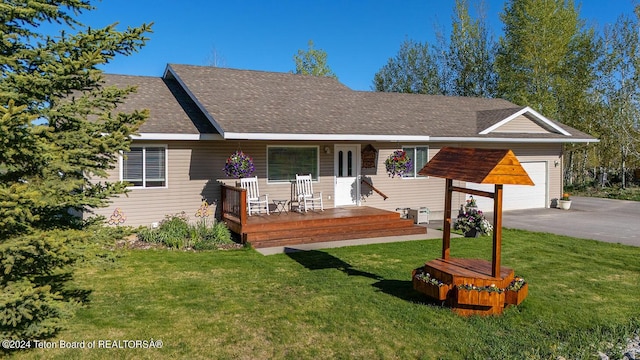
{"x": 195, "y": 174}
{"x": 522, "y": 124}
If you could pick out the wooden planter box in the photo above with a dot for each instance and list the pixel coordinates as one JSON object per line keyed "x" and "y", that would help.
{"x": 479, "y": 298}
{"x": 431, "y": 290}
{"x": 515, "y": 297}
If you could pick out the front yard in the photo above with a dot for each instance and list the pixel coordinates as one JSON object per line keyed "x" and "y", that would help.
{"x": 352, "y": 303}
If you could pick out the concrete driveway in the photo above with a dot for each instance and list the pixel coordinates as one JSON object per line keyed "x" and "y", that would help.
{"x": 614, "y": 221}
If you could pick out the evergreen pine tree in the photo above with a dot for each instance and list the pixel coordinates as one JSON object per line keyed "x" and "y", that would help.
{"x": 59, "y": 135}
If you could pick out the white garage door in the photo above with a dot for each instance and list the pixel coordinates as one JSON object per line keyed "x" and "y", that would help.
{"x": 517, "y": 197}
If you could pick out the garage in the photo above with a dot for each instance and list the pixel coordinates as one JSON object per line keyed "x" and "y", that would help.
{"x": 518, "y": 197}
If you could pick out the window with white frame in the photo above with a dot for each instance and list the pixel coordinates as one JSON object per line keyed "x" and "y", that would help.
{"x": 284, "y": 162}
{"x": 145, "y": 166}
{"x": 420, "y": 157}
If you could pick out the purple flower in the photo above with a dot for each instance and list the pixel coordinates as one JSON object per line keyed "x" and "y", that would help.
{"x": 399, "y": 164}
{"x": 239, "y": 165}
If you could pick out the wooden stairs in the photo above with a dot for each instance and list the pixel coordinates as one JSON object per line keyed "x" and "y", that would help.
{"x": 295, "y": 228}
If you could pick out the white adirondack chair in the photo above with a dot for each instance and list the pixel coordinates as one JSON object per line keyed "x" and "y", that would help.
{"x": 255, "y": 202}
{"x": 306, "y": 196}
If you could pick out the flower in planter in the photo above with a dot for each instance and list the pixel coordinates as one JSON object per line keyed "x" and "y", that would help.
{"x": 516, "y": 284}
{"x": 489, "y": 288}
{"x": 399, "y": 164}
{"x": 467, "y": 287}
{"x": 565, "y": 197}
{"x": 426, "y": 277}
{"x": 471, "y": 220}
{"x": 239, "y": 165}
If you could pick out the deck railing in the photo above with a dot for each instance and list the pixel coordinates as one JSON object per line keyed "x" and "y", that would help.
{"x": 234, "y": 205}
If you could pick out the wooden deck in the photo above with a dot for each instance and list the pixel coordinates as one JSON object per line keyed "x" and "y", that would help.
{"x": 293, "y": 228}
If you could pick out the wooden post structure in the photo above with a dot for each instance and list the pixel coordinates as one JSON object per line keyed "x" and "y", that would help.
{"x": 446, "y": 230}
{"x": 482, "y": 166}
{"x": 497, "y": 230}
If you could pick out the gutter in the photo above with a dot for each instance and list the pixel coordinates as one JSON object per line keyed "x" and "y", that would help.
{"x": 512, "y": 140}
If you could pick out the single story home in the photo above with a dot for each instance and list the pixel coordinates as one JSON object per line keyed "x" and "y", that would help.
{"x": 291, "y": 124}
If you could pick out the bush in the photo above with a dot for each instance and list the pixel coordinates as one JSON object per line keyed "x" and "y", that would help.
{"x": 631, "y": 193}
{"x": 213, "y": 237}
{"x": 34, "y": 272}
{"x": 176, "y": 232}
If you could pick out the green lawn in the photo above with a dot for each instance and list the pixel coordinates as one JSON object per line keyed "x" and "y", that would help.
{"x": 354, "y": 303}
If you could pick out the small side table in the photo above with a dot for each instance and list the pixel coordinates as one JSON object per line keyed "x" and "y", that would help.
{"x": 281, "y": 206}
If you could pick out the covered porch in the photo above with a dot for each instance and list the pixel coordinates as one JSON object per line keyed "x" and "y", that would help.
{"x": 293, "y": 227}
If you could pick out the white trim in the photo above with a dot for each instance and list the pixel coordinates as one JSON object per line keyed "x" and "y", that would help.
{"x": 323, "y": 137}
{"x": 174, "y": 136}
{"x": 415, "y": 175}
{"x": 358, "y": 172}
{"x": 195, "y": 100}
{"x": 166, "y": 166}
{"x": 513, "y": 140}
{"x": 522, "y": 111}
{"x": 316, "y": 137}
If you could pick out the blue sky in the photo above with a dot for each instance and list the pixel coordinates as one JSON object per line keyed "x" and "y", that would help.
{"x": 359, "y": 36}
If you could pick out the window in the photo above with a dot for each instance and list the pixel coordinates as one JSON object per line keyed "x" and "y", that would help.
{"x": 420, "y": 156}
{"x": 342, "y": 171}
{"x": 284, "y": 162}
{"x": 145, "y": 166}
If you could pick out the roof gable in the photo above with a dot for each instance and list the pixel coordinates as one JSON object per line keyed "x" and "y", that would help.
{"x": 525, "y": 120}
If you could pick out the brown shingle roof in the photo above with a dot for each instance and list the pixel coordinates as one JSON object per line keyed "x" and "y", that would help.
{"x": 171, "y": 109}
{"x": 247, "y": 101}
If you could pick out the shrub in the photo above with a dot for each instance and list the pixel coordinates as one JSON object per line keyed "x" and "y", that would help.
{"x": 176, "y": 232}
{"x": 212, "y": 236}
{"x": 34, "y": 273}
{"x": 222, "y": 233}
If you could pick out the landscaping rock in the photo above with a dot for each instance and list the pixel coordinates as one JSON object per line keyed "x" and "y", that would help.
{"x": 631, "y": 352}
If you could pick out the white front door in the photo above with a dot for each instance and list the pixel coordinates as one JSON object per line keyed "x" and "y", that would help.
{"x": 347, "y": 166}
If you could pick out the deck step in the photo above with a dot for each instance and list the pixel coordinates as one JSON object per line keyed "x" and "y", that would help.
{"x": 323, "y": 228}
{"x": 335, "y": 224}
{"x": 297, "y": 238}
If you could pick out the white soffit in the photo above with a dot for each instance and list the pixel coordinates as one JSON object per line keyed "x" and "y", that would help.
{"x": 169, "y": 136}
{"x": 510, "y": 140}
{"x": 325, "y": 137}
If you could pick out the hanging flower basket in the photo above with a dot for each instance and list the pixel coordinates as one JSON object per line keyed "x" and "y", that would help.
{"x": 239, "y": 165}
{"x": 399, "y": 164}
